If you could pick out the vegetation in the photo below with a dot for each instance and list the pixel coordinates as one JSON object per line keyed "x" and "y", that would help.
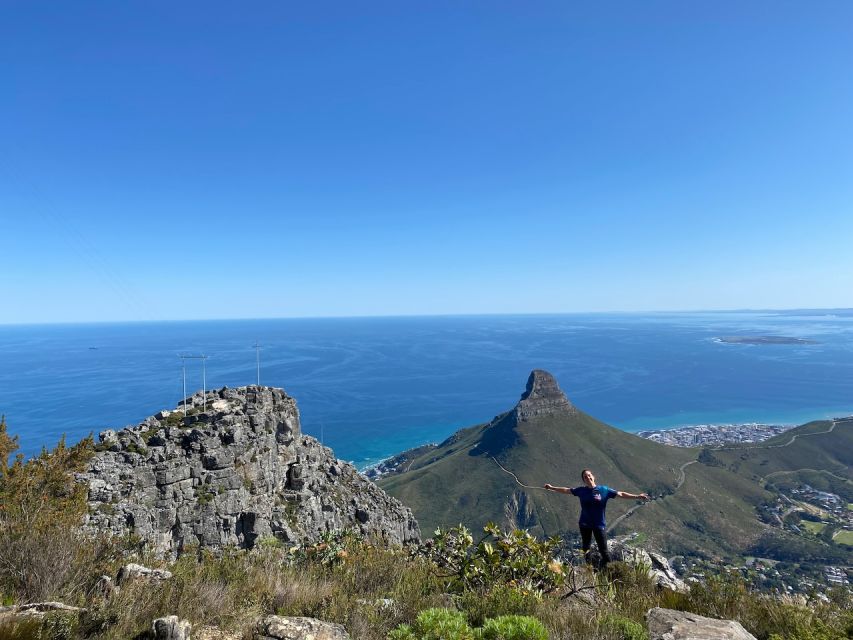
{"x": 713, "y": 513}
{"x": 41, "y": 554}
{"x": 506, "y": 586}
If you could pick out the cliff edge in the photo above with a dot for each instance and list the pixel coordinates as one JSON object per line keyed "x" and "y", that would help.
{"x": 231, "y": 469}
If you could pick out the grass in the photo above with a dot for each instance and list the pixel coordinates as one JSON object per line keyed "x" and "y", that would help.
{"x": 814, "y": 527}
{"x": 844, "y": 537}
{"x": 371, "y": 590}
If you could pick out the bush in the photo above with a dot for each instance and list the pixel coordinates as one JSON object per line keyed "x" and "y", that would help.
{"x": 513, "y": 558}
{"x": 435, "y": 624}
{"x": 42, "y": 554}
{"x": 624, "y": 628}
{"x": 501, "y": 600}
{"x": 448, "y": 624}
{"x": 512, "y": 628}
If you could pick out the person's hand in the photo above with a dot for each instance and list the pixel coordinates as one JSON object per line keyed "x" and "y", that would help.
{"x": 548, "y": 486}
{"x": 644, "y": 496}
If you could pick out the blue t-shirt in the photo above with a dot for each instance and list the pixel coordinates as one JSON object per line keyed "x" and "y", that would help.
{"x": 593, "y": 502}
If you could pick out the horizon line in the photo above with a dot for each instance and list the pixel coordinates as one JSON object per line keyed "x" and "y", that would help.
{"x": 824, "y": 310}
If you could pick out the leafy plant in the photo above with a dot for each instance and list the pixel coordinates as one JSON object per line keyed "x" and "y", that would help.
{"x": 435, "y": 624}
{"x": 512, "y": 628}
{"x": 514, "y": 558}
{"x": 448, "y": 624}
{"x": 624, "y": 628}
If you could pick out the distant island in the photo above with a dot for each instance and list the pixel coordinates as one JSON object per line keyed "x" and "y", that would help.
{"x": 763, "y": 340}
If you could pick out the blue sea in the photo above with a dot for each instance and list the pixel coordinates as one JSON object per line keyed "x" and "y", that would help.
{"x": 371, "y": 387}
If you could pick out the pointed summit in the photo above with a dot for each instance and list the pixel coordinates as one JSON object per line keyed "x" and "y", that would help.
{"x": 543, "y": 397}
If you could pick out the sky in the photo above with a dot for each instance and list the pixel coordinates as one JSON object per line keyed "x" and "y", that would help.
{"x": 195, "y": 160}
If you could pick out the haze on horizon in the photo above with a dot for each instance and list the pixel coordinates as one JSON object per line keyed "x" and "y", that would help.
{"x": 168, "y": 161}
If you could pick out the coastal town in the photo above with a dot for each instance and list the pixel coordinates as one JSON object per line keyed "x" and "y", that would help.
{"x": 704, "y": 435}
{"x": 802, "y": 510}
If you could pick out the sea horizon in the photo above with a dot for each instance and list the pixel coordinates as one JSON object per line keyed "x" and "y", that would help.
{"x": 370, "y": 387}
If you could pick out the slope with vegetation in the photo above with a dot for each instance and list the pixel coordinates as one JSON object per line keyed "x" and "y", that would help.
{"x": 506, "y": 585}
{"x": 705, "y": 500}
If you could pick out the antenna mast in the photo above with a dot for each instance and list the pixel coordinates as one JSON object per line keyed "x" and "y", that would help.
{"x": 258, "y": 360}
{"x": 184, "y": 357}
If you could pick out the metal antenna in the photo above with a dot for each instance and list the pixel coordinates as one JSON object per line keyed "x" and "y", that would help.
{"x": 203, "y": 383}
{"x": 258, "y": 359}
{"x": 184, "y": 377}
{"x": 203, "y": 358}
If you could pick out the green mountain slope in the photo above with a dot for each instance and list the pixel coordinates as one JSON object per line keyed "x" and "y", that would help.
{"x": 705, "y": 501}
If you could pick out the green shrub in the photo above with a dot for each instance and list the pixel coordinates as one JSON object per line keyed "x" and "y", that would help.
{"x": 513, "y": 558}
{"x": 624, "y": 628}
{"x": 512, "y": 628}
{"x": 449, "y": 624}
{"x": 501, "y": 600}
{"x": 26, "y": 628}
{"x": 435, "y": 624}
{"x": 41, "y": 552}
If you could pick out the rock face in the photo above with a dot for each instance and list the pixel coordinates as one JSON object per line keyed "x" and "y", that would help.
{"x": 232, "y": 469}
{"x": 666, "y": 624}
{"x": 658, "y": 566}
{"x": 542, "y": 397}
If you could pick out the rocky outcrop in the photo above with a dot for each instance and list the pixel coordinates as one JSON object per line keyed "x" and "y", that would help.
{"x": 656, "y": 564}
{"x": 543, "y": 397}
{"x": 232, "y": 469}
{"x": 171, "y": 628}
{"x": 666, "y": 624}
{"x": 281, "y": 628}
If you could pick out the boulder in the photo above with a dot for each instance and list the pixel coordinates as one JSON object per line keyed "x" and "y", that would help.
{"x": 215, "y": 633}
{"x": 666, "y": 624}
{"x": 658, "y": 566}
{"x": 282, "y": 628}
{"x": 171, "y": 628}
{"x": 137, "y": 571}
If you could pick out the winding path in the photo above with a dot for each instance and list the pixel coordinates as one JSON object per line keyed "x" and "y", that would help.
{"x": 683, "y": 475}
{"x": 787, "y": 444}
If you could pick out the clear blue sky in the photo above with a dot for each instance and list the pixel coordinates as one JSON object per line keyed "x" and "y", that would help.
{"x": 177, "y": 160}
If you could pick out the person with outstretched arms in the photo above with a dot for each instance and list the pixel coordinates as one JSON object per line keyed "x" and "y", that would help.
{"x": 594, "y": 499}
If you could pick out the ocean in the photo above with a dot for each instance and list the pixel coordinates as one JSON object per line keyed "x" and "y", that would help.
{"x": 371, "y": 387}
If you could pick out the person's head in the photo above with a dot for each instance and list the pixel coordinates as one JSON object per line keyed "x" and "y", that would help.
{"x": 588, "y": 477}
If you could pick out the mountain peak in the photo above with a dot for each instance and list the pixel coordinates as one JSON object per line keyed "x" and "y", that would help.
{"x": 542, "y": 397}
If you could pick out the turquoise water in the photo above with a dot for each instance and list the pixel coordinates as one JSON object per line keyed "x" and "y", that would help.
{"x": 370, "y": 387}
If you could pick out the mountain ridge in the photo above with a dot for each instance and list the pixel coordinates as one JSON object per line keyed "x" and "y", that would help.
{"x": 706, "y": 501}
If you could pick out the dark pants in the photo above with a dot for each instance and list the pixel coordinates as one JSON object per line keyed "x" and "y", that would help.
{"x": 600, "y": 540}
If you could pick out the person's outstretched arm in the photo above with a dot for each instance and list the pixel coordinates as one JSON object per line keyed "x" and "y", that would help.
{"x": 551, "y": 487}
{"x": 633, "y": 496}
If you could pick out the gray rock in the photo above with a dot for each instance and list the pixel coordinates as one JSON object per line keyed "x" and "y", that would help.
{"x": 542, "y": 397}
{"x": 215, "y": 633}
{"x": 133, "y": 571}
{"x": 231, "y": 475}
{"x": 47, "y": 607}
{"x": 171, "y": 628}
{"x": 281, "y": 628}
{"x": 666, "y": 624}
{"x": 658, "y": 566}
